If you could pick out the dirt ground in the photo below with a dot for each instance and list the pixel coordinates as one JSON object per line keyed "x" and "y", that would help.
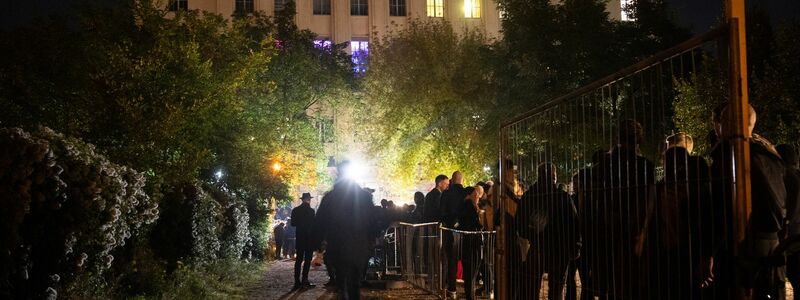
{"x": 278, "y": 281}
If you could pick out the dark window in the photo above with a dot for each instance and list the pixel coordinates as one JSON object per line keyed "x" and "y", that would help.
{"x": 280, "y": 4}
{"x": 397, "y": 8}
{"x": 176, "y": 5}
{"x": 322, "y": 7}
{"x": 244, "y": 7}
{"x": 359, "y": 8}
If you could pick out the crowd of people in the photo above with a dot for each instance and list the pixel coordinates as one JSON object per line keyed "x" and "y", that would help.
{"x": 628, "y": 229}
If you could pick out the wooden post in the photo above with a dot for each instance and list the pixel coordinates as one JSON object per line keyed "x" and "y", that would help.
{"x": 739, "y": 105}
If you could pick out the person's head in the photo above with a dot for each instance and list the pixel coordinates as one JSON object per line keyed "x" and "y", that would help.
{"x": 419, "y": 198}
{"x": 509, "y": 175}
{"x": 306, "y": 198}
{"x": 727, "y": 122}
{"x": 547, "y": 173}
{"x": 630, "y": 134}
{"x": 458, "y": 178}
{"x": 442, "y": 182}
{"x": 682, "y": 140}
{"x": 384, "y": 203}
{"x": 478, "y": 192}
{"x": 788, "y": 154}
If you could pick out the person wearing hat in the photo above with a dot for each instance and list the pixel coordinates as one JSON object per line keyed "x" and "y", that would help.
{"x": 303, "y": 220}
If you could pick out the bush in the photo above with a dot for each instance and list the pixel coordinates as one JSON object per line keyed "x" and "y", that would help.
{"x": 189, "y": 228}
{"x": 235, "y": 232}
{"x": 66, "y": 208}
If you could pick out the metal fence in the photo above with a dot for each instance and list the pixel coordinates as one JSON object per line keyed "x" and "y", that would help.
{"x": 428, "y": 252}
{"x": 603, "y": 183}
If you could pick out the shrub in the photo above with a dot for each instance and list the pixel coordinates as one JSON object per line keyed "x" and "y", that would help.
{"x": 66, "y": 208}
{"x": 235, "y": 231}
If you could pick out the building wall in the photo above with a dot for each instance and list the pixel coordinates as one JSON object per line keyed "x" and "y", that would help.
{"x": 341, "y": 27}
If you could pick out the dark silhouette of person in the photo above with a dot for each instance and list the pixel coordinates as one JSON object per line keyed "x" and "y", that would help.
{"x": 345, "y": 220}
{"x": 680, "y": 223}
{"x": 789, "y": 155}
{"x": 419, "y": 202}
{"x": 751, "y": 268}
{"x": 451, "y": 203}
{"x": 431, "y": 211}
{"x": 290, "y": 239}
{"x": 278, "y": 233}
{"x": 617, "y": 205}
{"x": 548, "y": 220}
{"x": 303, "y": 220}
{"x": 469, "y": 220}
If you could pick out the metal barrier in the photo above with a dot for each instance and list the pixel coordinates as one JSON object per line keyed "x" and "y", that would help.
{"x": 429, "y": 252}
{"x": 597, "y": 182}
{"x": 419, "y": 246}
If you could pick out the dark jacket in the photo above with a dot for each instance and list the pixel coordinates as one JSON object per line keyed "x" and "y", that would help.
{"x": 346, "y": 220}
{"x": 547, "y": 218}
{"x": 432, "y": 211}
{"x": 451, "y": 204}
{"x": 278, "y": 233}
{"x": 303, "y": 220}
{"x": 468, "y": 219}
{"x": 793, "y": 200}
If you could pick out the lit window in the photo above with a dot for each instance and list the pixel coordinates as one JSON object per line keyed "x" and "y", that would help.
{"x": 323, "y": 44}
{"x": 626, "y": 10}
{"x": 244, "y": 7}
{"x": 280, "y": 4}
{"x": 176, "y": 5}
{"x": 397, "y": 8}
{"x": 472, "y": 9}
{"x": 322, "y": 7}
{"x": 436, "y": 8}
{"x": 360, "y": 51}
{"x": 359, "y": 8}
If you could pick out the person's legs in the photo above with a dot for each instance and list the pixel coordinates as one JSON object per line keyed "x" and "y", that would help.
{"x": 307, "y": 255}
{"x": 297, "y": 264}
{"x": 471, "y": 262}
{"x": 451, "y": 261}
{"x": 793, "y": 273}
{"x": 278, "y": 248}
{"x": 555, "y": 276}
{"x": 572, "y": 287}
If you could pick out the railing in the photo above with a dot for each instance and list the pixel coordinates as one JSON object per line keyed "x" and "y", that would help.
{"x": 428, "y": 253}
{"x": 596, "y": 182}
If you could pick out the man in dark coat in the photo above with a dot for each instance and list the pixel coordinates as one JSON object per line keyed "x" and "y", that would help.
{"x": 452, "y": 202}
{"x": 548, "y": 220}
{"x": 303, "y": 220}
{"x": 344, "y": 220}
{"x": 419, "y": 203}
{"x": 680, "y": 222}
{"x": 789, "y": 156}
{"x": 766, "y": 220}
{"x": 621, "y": 184}
{"x": 432, "y": 211}
{"x": 278, "y": 234}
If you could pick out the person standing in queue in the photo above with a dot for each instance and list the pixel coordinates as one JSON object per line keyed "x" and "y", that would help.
{"x": 303, "y": 220}
{"x": 432, "y": 208}
{"x": 343, "y": 220}
{"x": 451, "y": 204}
{"x": 278, "y": 235}
{"x": 469, "y": 220}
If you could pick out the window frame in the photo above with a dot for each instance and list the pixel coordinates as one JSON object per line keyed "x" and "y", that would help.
{"x": 280, "y": 5}
{"x": 475, "y": 9}
{"x": 359, "y": 7}
{"x": 175, "y": 5}
{"x": 397, "y": 8}
{"x": 320, "y": 7}
{"x": 434, "y": 8}
{"x": 247, "y": 7}
{"x": 359, "y": 55}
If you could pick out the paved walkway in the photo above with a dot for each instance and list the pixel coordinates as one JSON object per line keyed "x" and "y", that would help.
{"x": 278, "y": 282}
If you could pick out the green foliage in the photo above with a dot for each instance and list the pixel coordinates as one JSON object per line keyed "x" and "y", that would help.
{"x": 67, "y": 208}
{"x": 696, "y": 99}
{"x": 426, "y": 62}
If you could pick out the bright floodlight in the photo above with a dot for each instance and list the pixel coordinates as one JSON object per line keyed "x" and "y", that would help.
{"x": 355, "y": 170}
{"x": 219, "y": 174}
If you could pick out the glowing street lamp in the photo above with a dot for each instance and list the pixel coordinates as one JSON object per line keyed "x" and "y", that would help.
{"x": 276, "y": 167}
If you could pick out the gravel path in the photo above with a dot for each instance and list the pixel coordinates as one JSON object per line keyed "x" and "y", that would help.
{"x": 278, "y": 282}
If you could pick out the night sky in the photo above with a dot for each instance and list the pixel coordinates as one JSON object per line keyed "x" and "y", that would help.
{"x": 699, "y": 15}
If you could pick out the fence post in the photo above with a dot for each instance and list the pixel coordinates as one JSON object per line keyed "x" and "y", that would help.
{"x": 500, "y": 255}
{"x": 739, "y": 105}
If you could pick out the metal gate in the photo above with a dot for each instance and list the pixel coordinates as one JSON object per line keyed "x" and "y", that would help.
{"x": 601, "y": 193}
